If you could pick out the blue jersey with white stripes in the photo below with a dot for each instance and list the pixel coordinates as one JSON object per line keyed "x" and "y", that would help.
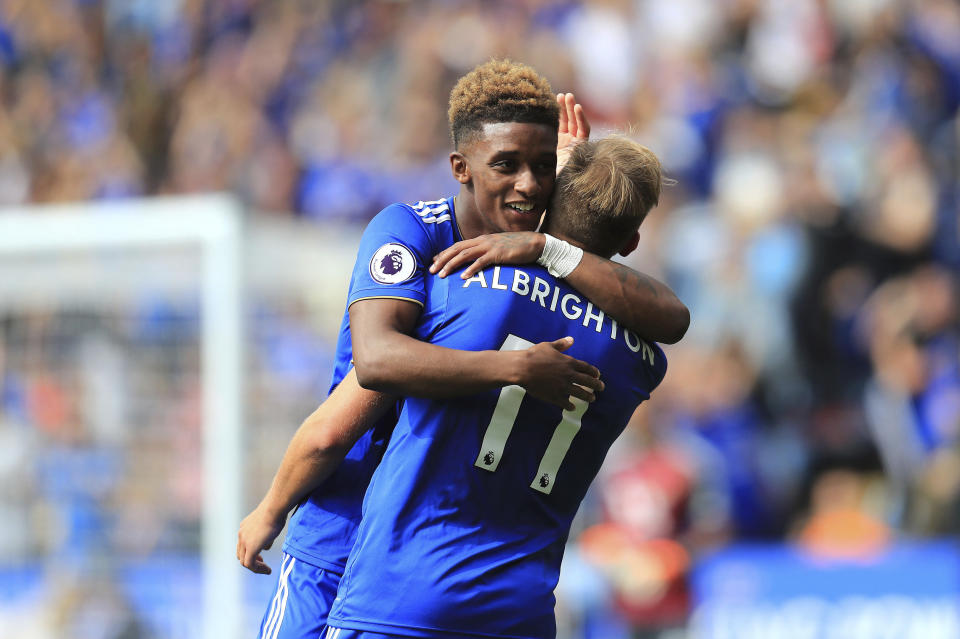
{"x": 466, "y": 517}
{"x": 396, "y": 249}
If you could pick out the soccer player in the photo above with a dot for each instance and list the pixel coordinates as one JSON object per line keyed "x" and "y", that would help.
{"x": 504, "y": 120}
{"x": 466, "y": 517}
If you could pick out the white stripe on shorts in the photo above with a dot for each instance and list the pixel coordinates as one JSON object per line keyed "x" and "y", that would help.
{"x": 272, "y": 628}
{"x": 276, "y": 599}
{"x": 283, "y": 602}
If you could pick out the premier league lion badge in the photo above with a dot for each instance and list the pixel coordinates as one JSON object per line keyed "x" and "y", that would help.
{"x": 392, "y": 263}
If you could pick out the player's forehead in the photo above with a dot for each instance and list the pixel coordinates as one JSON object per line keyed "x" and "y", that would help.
{"x": 515, "y": 137}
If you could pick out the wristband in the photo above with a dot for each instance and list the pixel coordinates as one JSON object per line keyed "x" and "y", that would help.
{"x": 559, "y": 257}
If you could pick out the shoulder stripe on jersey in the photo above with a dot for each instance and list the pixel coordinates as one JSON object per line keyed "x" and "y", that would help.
{"x": 421, "y": 203}
{"x": 428, "y": 211}
{"x": 433, "y": 209}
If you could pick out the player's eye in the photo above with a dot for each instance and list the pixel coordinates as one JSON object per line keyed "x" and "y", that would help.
{"x": 504, "y": 165}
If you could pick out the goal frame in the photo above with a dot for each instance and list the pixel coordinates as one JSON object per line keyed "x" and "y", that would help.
{"x": 214, "y": 224}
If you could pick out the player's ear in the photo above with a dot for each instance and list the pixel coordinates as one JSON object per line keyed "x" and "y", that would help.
{"x": 460, "y": 168}
{"x": 631, "y": 245}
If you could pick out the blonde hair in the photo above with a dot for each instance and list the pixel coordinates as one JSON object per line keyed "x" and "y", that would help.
{"x": 500, "y": 91}
{"x": 604, "y": 193}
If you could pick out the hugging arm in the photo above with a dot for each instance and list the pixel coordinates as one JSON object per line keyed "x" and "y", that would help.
{"x": 644, "y": 305}
{"x": 641, "y": 303}
{"x": 315, "y": 451}
{"x": 389, "y": 360}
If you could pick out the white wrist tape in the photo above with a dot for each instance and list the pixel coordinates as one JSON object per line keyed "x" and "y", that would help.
{"x": 559, "y": 257}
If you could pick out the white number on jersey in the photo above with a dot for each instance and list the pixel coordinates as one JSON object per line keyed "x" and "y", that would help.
{"x": 505, "y": 415}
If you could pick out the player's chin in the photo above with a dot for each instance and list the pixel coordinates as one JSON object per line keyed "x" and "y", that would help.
{"x": 521, "y": 220}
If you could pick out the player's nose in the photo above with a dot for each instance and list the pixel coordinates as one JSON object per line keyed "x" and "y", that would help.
{"x": 527, "y": 184}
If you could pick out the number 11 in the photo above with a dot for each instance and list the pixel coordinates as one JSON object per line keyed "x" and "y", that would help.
{"x": 504, "y": 417}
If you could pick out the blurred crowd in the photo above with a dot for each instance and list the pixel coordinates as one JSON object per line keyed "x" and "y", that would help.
{"x": 814, "y": 232}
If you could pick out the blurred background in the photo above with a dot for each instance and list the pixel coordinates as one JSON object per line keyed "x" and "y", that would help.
{"x": 797, "y": 475}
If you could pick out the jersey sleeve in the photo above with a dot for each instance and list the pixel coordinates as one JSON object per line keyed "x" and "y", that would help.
{"x": 391, "y": 263}
{"x": 657, "y": 370}
{"x": 649, "y": 368}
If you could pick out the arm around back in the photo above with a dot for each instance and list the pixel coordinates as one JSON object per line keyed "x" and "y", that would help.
{"x": 388, "y": 359}
{"x": 644, "y": 305}
{"x": 637, "y": 301}
{"x": 315, "y": 451}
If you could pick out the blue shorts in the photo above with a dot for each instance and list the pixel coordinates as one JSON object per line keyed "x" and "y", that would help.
{"x": 301, "y": 602}
{"x": 345, "y": 633}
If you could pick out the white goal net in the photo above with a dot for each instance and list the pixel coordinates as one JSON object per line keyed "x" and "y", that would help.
{"x": 155, "y": 357}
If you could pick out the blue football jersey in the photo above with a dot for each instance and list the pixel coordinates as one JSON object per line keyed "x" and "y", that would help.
{"x": 396, "y": 249}
{"x": 466, "y": 517}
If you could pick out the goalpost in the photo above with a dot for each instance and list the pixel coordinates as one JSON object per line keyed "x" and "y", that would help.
{"x": 212, "y": 225}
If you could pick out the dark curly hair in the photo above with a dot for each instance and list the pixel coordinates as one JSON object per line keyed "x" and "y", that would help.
{"x": 500, "y": 91}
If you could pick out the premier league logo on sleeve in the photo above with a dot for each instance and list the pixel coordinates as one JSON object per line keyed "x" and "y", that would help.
{"x": 392, "y": 263}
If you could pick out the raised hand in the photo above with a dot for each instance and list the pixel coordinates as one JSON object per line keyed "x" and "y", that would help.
{"x": 573, "y": 130}
{"x": 548, "y": 374}
{"x": 523, "y": 247}
{"x": 257, "y": 532}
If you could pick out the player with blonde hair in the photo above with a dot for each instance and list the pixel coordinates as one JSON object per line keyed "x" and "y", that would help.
{"x": 467, "y": 515}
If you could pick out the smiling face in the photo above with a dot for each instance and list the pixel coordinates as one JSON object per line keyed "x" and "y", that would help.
{"x": 506, "y": 173}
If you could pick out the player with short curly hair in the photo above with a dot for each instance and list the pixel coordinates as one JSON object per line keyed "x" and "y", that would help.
{"x": 506, "y": 124}
{"x": 499, "y": 91}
